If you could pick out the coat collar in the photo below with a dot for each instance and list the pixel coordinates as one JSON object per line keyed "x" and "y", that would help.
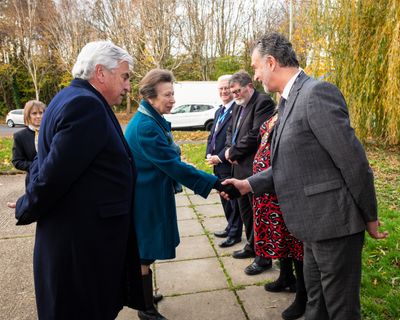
{"x": 80, "y": 83}
{"x": 298, "y": 84}
{"x": 84, "y": 84}
{"x": 160, "y": 119}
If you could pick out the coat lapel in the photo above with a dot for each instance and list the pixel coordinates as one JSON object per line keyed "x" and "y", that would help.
{"x": 247, "y": 109}
{"x": 288, "y": 108}
{"x": 226, "y": 120}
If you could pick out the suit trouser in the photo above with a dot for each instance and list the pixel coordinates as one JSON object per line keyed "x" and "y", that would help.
{"x": 332, "y": 274}
{"x": 246, "y": 213}
{"x": 231, "y": 210}
{"x": 232, "y": 214}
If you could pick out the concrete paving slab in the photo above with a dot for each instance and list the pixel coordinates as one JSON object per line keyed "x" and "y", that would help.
{"x": 262, "y": 305}
{"x": 196, "y": 247}
{"x": 182, "y": 200}
{"x": 17, "y": 297}
{"x": 190, "y": 228}
{"x": 11, "y": 188}
{"x": 235, "y": 269}
{"x": 180, "y": 277}
{"x": 127, "y": 314}
{"x": 212, "y": 199}
{"x": 214, "y": 224}
{"x": 186, "y": 213}
{"x": 210, "y": 210}
{"x": 215, "y": 305}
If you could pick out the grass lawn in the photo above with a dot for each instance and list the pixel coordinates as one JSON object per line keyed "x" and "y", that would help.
{"x": 380, "y": 291}
{"x": 5, "y": 155}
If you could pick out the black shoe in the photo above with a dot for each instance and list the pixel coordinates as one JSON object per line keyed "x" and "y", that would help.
{"x": 296, "y": 309}
{"x": 243, "y": 254}
{"x": 281, "y": 285}
{"x": 229, "y": 242}
{"x": 151, "y": 314}
{"x": 157, "y": 298}
{"x": 254, "y": 268}
{"x": 221, "y": 234}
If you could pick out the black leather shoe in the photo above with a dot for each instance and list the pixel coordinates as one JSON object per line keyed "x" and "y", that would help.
{"x": 254, "y": 268}
{"x": 157, "y": 298}
{"x": 221, "y": 234}
{"x": 229, "y": 242}
{"x": 243, "y": 254}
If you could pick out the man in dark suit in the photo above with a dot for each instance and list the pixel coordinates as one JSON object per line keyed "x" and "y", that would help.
{"x": 222, "y": 169}
{"x": 241, "y": 146}
{"x": 322, "y": 178}
{"x": 80, "y": 194}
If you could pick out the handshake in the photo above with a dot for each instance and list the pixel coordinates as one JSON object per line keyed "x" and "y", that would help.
{"x": 228, "y": 189}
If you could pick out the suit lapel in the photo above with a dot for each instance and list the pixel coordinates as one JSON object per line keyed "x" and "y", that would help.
{"x": 288, "y": 108}
{"x": 248, "y": 108}
{"x": 226, "y": 120}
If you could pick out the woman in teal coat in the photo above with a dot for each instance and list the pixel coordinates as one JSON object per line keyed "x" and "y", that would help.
{"x": 160, "y": 173}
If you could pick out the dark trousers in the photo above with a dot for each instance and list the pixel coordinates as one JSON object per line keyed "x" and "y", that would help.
{"x": 332, "y": 274}
{"x": 231, "y": 210}
{"x": 232, "y": 214}
{"x": 246, "y": 213}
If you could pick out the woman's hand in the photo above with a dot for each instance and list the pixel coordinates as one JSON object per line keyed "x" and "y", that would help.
{"x": 11, "y": 205}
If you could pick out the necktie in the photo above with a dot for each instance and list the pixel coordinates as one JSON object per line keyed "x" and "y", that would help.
{"x": 281, "y": 109}
{"x": 221, "y": 117}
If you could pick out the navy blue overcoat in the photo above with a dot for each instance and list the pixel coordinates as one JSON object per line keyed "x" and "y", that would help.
{"x": 158, "y": 165}
{"x": 81, "y": 195}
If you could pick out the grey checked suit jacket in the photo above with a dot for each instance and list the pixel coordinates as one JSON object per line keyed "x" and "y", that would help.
{"x": 319, "y": 170}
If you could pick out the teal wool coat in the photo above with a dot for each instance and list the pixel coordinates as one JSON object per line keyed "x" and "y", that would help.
{"x": 158, "y": 164}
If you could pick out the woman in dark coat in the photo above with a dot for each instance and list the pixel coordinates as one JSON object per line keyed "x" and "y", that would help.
{"x": 25, "y": 141}
{"x": 160, "y": 171}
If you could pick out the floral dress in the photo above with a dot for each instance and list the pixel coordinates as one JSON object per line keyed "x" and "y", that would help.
{"x": 272, "y": 239}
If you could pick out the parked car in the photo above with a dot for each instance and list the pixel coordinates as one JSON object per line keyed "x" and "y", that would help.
{"x": 15, "y": 117}
{"x": 192, "y": 115}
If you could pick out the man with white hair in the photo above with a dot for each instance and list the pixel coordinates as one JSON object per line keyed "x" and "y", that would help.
{"x": 222, "y": 168}
{"x": 80, "y": 194}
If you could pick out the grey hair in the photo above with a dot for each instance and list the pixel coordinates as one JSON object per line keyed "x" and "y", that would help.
{"x": 241, "y": 77}
{"x": 276, "y": 45}
{"x": 225, "y": 77}
{"x": 99, "y": 52}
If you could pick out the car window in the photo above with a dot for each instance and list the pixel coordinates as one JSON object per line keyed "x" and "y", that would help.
{"x": 182, "y": 109}
{"x": 200, "y": 107}
{"x": 18, "y": 111}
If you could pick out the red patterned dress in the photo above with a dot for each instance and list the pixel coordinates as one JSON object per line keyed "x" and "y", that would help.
{"x": 272, "y": 239}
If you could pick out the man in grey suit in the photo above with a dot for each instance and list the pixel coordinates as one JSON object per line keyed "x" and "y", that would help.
{"x": 322, "y": 178}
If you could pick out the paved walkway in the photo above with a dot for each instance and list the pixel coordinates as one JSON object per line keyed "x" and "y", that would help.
{"x": 203, "y": 282}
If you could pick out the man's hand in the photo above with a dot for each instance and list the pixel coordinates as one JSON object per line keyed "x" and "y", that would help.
{"x": 11, "y": 205}
{"x": 242, "y": 185}
{"x": 372, "y": 228}
{"x": 229, "y": 190}
{"x": 227, "y": 157}
{"x": 213, "y": 160}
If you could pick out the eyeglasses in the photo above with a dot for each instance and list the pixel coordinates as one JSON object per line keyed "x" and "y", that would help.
{"x": 223, "y": 88}
{"x": 237, "y": 91}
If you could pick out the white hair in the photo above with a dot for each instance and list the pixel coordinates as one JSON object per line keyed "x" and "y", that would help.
{"x": 99, "y": 52}
{"x": 224, "y": 77}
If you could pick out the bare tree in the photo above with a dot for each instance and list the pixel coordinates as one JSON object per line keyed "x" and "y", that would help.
{"x": 68, "y": 29}
{"x": 28, "y": 37}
